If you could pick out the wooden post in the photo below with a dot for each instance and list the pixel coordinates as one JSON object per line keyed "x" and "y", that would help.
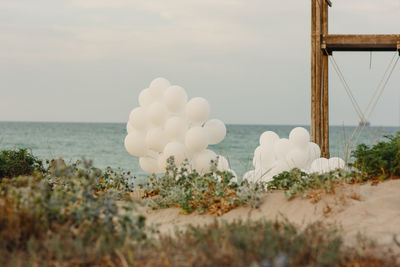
{"x": 322, "y": 45}
{"x": 319, "y": 68}
{"x": 325, "y": 91}
{"x": 313, "y": 47}
{"x": 318, "y": 72}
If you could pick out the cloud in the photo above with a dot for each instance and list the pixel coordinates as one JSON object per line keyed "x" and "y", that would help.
{"x": 183, "y": 26}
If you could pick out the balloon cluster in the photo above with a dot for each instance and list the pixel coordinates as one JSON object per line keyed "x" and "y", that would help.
{"x": 275, "y": 155}
{"x": 167, "y": 124}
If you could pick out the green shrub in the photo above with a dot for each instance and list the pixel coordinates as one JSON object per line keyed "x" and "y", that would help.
{"x": 214, "y": 192}
{"x": 78, "y": 206}
{"x": 255, "y": 243}
{"x": 18, "y": 162}
{"x": 299, "y": 183}
{"x": 379, "y": 161}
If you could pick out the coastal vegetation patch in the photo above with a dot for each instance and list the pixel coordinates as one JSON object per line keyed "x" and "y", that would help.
{"x": 79, "y": 215}
{"x": 75, "y": 214}
{"x": 18, "y": 162}
{"x": 380, "y": 161}
{"x": 258, "y": 243}
{"x": 215, "y": 192}
{"x": 298, "y": 183}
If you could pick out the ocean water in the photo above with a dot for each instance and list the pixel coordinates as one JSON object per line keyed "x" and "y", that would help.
{"x": 104, "y": 142}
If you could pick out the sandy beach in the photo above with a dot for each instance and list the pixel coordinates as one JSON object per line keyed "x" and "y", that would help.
{"x": 372, "y": 210}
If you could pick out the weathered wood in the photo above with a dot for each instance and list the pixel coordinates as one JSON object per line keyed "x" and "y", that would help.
{"x": 319, "y": 26}
{"x": 313, "y": 49}
{"x": 325, "y": 109}
{"x": 329, "y": 2}
{"x": 325, "y": 91}
{"x": 318, "y": 72}
{"x": 368, "y": 42}
{"x": 322, "y": 45}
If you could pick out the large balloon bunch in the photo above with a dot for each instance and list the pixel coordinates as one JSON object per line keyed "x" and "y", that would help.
{"x": 167, "y": 124}
{"x": 275, "y": 155}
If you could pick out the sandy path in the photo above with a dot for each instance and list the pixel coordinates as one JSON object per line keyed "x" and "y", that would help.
{"x": 370, "y": 210}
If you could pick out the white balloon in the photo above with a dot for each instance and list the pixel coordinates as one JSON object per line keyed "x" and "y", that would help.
{"x": 135, "y": 144}
{"x": 197, "y": 110}
{"x": 222, "y": 164}
{"x": 268, "y": 138}
{"x": 202, "y": 161}
{"x": 336, "y": 163}
{"x": 280, "y": 166}
{"x": 157, "y": 114}
{"x": 315, "y": 151}
{"x": 138, "y": 118}
{"x": 156, "y": 139}
{"x": 162, "y": 163}
{"x": 175, "y": 98}
{"x": 160, "y": 82}
{"x": 320, "y": 165}
{"x": 282, "y": 148}
{"x": 129, "y": 128}
{"x": 216, "y": 131}
{"x": 262, "y": 174}
{"x": 196, "y": 139}
{"x": 145, "y": 98}
{"x": 175, "y": 128}
{"x": 249, "y": 176}
{"x": 149, "y": 165}
{"x": 177, "y": 150}
{"x": 299, "y": 137}
{"x": 257, "y": 157}
{"x": 297, "y": 158}
{"x": 264, "y": 157}
{"x": 157, "y": 89}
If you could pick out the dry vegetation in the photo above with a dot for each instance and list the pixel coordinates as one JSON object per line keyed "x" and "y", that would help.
{"x": 79, "y": 215}
{"x": 215, "y": 192}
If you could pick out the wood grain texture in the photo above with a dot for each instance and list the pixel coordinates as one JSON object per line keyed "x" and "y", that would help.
{"x": 362, "y": 42}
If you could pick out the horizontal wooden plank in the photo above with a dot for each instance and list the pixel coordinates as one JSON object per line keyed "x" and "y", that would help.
{"x": 368, "y": 42}
{"x": 329, "y": 2}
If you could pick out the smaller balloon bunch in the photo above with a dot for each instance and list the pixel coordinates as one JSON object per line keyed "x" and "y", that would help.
{"x": 168, "y": 124}
{"x": 275, "y": 155}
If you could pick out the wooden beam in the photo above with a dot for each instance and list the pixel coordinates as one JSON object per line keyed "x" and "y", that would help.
{"x": 313, "y": 48}
{"x": 369, "y": 42}
{"x": 318, "y": 74}
{"x": 316, "y": 34}
{"x": 325, "y": 92}
{"x": 329, "y": 3}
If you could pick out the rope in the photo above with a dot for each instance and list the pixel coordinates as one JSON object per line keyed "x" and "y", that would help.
{"x": 347, "y": 88}
{"x": 384, "y": 86}
{"x": 379, "y": 85}
{"x": 374, "y": 98}
{"x": 370, "y": 60}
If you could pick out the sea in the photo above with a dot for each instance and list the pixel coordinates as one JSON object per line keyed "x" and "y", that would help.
{"x": 104, "y": 142}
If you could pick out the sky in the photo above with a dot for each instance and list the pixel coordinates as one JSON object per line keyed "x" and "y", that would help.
{"x": 87, "y": 60}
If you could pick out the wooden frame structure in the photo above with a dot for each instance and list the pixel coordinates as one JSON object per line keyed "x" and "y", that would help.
{"x": 323, "y": 45}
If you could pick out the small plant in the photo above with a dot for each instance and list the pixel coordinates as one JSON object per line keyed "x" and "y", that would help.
{"x": 299, "y": 183}
{"x": 18, "y": 162}
{"x": 380, "y": 161}
{"x": 256, "y": 243}
{"x": 215, "y": 192}
{"x": 78, "y": 206}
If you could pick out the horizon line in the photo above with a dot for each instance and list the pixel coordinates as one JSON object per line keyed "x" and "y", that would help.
{"x": 238, "y": 124}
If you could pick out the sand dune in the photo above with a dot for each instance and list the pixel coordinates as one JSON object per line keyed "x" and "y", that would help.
{"x": 373, "y": 210}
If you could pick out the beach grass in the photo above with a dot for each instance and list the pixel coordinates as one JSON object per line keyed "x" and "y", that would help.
{"x": 216, "y": 192}
{"x": 79, "y": 215}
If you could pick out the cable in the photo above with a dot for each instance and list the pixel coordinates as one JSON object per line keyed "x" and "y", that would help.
{"x": 347, "y": 88}
{"x": 379, "y": 85}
